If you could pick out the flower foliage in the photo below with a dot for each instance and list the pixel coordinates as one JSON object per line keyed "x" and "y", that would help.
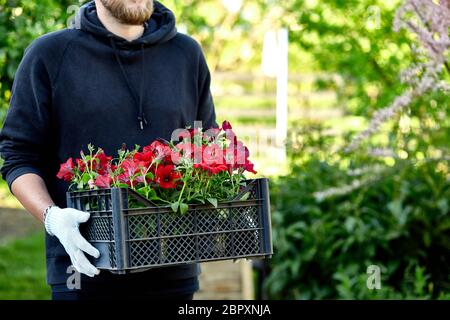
{"x": 194, "y": 167}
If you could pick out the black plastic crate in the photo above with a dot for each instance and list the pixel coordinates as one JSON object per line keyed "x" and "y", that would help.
{"x": 136, "y": 239}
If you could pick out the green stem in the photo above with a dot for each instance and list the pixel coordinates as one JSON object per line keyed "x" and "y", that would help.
{"x": 207, "y": 185}
{"x": 185, "y": 180}
{"x": 182, "y": 191}
{"x": 231, "y": 179}
{"x": 165, "y": 201}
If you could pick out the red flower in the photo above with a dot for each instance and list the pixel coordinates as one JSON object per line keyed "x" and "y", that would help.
{"x": 236, "y": 154}
{"x": 66, "y": 170}
{"x": 212, "y": 159}
{"x": 140, "y": 179}
{"x": 211, "y": 134}
{"x": 214, "y": 132}
{"x": 80, "y": 164}
{"x": 176, "y": 157}
{"x": 104, "y": 160}
{"x": 226, "y": 125}
{"x": 103, "y": 181}
{"x": 194, "y": 131}
{"x": 182, "y": 150}
{"x": 212, "y": 169}
{"x": 213, "y": 154}
{"x": 167, "y": 177}
{"x": 124, "y": 178}
{"x": 229, "y": 133}
{"x": 146, "y": 157}
{"x": 160, "y": 150}
{"x": 248, "y": 166}
{"x": 237, "y": 157}
{"x": 219, "y": 168}
{"x": 130, "y": 167}
{"x": 186, "y": 148}
{"x": 100, "y": 163}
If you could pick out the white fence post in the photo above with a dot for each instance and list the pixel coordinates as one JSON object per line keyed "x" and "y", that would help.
{"x": 282, "y": 93}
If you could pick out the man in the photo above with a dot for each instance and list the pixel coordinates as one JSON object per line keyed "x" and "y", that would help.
{"x": 120, "y": 74}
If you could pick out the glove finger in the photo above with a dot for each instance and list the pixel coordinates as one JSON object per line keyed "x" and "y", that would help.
{"x": 74, "y": 263}
{"x": 78, "y": 267}
{"x": 85, "y": 246}
{"x": 84, "y": 265}
{"x": 80, "y": 216}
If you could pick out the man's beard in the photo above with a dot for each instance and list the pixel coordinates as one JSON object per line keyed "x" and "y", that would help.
{"x": 130, "y": 16}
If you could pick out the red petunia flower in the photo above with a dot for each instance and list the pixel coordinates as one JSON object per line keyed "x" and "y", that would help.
{"x": 146, "y": 157}
{"x": 100, "y": 163}
{"x": 194, "y": 131}
{"x": 103, "y": 181}
{"x": 249, "y": 166}
{"x": 167, "y": 177}
{"x": 213, "y": 159}
{"x": 226, "y": 125}
{"x": 130, "y": 167}
{"x": 104, "y": 160}
{"x": 212, "y": 169}
{"x": 211, "y": 135}
{"x": 213, "y": 154}
{"x": 80, "y": 164}
{"x": 160, "y": 150}
{"x": 66, "y": 170}
{"x": 237, "y": 155}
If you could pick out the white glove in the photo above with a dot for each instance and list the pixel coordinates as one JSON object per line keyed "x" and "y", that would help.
{"x": 63, "y": 223}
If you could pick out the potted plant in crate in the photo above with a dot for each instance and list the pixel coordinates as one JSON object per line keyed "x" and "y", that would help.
{"x": 179, "y": 201}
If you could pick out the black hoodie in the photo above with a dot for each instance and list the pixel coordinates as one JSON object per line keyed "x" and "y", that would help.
{"x": 86, "y": 85}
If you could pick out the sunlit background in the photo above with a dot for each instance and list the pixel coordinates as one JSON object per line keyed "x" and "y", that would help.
{"x": 299, "y": 80}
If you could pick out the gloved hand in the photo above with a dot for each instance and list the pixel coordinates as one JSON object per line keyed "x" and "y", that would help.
{"x": 64, "y": 223}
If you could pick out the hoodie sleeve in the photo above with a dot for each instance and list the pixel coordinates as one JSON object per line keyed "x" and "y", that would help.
{"x": 26, "y": 127}
{"x": 206, "y": 111}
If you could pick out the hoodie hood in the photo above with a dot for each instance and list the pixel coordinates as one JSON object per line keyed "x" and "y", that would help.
{"x": 158, "y": 29}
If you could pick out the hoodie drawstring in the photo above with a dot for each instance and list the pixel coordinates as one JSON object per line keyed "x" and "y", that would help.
{"x": 141, "y": 117}
{"x": 139, "y": 101}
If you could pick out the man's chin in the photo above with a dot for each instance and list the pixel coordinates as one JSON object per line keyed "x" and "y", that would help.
{"x": 130, "y": 13}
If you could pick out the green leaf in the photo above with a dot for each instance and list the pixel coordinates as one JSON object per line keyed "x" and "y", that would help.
{"x": 85, "y": 178}
{"x": 175, "y": 206}
{"x": 142, "y": 190}
{"x": 183, "y": 208}
{"x": 245, "y": 196}
{"x": 151, "y": 194}
{"x": 213, "y": 201}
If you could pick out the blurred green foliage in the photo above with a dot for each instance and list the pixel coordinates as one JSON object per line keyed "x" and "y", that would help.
{"x": 21, "y": 21}
{"x": 396, "y": 218}
{"x": 22, "y": 269}
{"x": 394, "y": 213}
{"x": 355, "y": 40}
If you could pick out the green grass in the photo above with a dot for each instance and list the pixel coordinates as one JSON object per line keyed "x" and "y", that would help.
{"x": 6, "y": 198}
{"x": 22, "y": 269}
